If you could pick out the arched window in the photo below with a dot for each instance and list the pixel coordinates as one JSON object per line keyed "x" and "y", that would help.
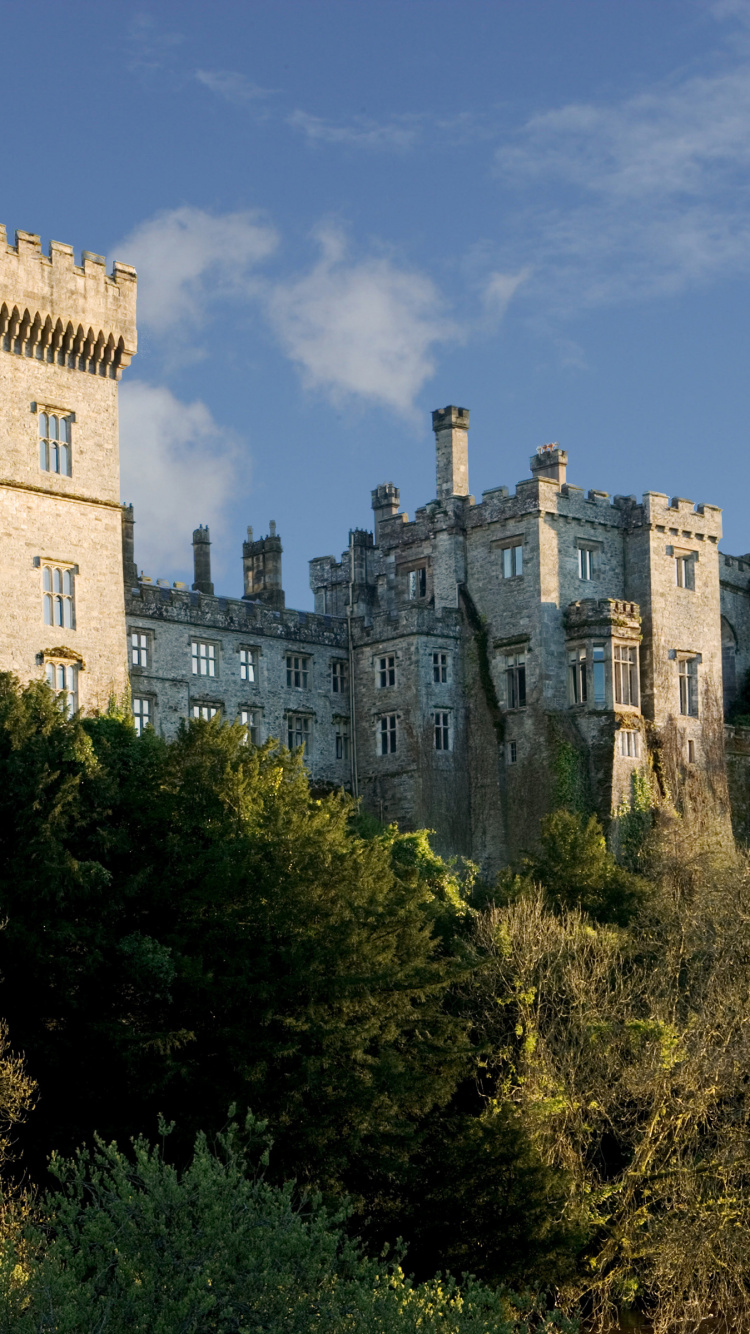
{"x": 58, "y": 596}
{"x": 54, "y": 443}
{"x": 728, "y": 663}
{"x": 63, "y": 679}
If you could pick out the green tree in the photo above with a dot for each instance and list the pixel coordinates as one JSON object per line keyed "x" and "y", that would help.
{"x": 135, "y": 1245}
{"x": 188, "y": 927}
{"x": 577, "y": 870}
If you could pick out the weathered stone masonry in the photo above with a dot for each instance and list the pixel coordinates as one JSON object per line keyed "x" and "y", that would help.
{"x": 544, "y": 645}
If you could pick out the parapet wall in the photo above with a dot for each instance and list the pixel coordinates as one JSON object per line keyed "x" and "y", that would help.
{"x": 70, "y": 314}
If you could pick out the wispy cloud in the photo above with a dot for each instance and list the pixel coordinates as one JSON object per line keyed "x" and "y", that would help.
{"x": 179, "y": 469}
{"x": 635, "y": 199}
{"x": 233, "y": 87}
{"x": 364, "y": 328}
{"x": 187, "y": 259}
{"x": 148, "y": 47}
{"x": 400, "y": 132}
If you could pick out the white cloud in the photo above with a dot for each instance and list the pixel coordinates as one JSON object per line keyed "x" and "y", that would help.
{"x": 635, "y": 199}
{"x": 499, "y": 290}
{"x": 232, "y": 86}
{"x": 361, "y": 132}
{"x": 364, "y": 328}
{"x": 187, "y": 258}
{"x": 178, "y": 468}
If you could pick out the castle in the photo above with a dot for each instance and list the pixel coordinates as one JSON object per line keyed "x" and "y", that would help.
{"x": 464, "y": 670}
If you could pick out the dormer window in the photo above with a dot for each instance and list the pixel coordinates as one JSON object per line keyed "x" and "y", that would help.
{"x": 55, "y": 443}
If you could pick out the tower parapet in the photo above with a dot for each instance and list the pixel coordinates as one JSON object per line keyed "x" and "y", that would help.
{"x": 54, "y": 310}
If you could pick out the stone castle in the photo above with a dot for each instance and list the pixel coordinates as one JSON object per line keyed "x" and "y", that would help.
{"x": 465, "y": 670}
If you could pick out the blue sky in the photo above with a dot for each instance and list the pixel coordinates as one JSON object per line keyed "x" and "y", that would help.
{"x": 345, "y": 214}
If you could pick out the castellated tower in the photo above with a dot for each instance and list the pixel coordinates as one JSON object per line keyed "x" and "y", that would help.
{"x": 66, "y": 332}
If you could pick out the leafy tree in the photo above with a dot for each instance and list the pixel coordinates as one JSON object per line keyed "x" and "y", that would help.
{"x": 626, "y": 1054}
{"x": 187, "y": 927}
{"x": 137, "y": 1245}
{"x": 577, "y": 870}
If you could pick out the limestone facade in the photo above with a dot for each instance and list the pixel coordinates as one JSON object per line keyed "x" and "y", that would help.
{"x": 66, "y": 333}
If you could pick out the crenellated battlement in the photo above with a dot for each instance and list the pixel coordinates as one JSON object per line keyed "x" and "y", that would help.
{"x": 67, "y": 314}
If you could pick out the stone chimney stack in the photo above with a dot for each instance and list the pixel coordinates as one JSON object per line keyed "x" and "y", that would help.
{"x": 451, "y": 427}
{"x": 261, "y": 568}
{"x": 129, "y": 567}
{"x": 202, "y": 560}
{"x": 550, "y": 461}
{"x": 385, "y": 502}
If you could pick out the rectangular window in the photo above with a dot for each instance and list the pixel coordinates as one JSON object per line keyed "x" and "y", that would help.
{"x": 630, "y": 744}
{"x": 626, "y": 675}
{"x": 512, "y": 752}
{"x": 387, "y": 734}
{"x": 298, "y": 732}
{"x": 141, "y": 714}
{"x": 440, "y": 668}
{"x": 515, "y": 680}
{"x": 248, "y": 665}
{"x": 387, "y": 671}
{"x": 342, "y": 744}
{"x": 338, "y": 676}
{"x": 442, "y": 722}
{"x": 578, "y": 677}
{"x": 139, "y": 650}
{"x": 63, "y": 679}
{"x": 685, "y": 571}
{"x": 417, "y": 584}
{"x": 204, "y": 659}
{"x": 688, "y": 674}
{"x": 296, "y": 672}
{"x": 691, "y": 752}
{"x": 598, "y": 674}
{"x": 250, "y": 720}
{"x": 54, "y": 443}
{"x": 58, "y": 596}
{"x": 512, "y": 561}
{"x": 205, "y": 711}
{"x": 585, "y": 563}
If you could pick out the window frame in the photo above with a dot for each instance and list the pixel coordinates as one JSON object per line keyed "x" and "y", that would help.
{"x": 138, "y": 714}
{"x": 512, "y": 752}
{"x": 252, "y": 729}
{"x": 599, "y": 675}
{"x": 298, "y": 723}
{"x": 416, "y": 583}
{"x": 339, "y": 676}
{"x": 298, "y": 665}
{"x": 62, "y": 676}
{"x": 511, "y": 559}
{"x": 51, "y": 445}
{"x": 62, "y": 599}
{"x": 442, "y": 730}
{"x": 342, "y": 742}
{"x": 515, "y": 680}
{"x": 385, "y": 671}
{"x": 688, "y": 685}
{"x": 630, "y": 743}
{"x": 588, "y": 553}
{"x": 626, "y": 682}
{"x": 248, "y": 656}
{"x": 137, "y": 650}
{"x": 201, "y": 707}
{"x": 210, "y": 657}
{"x": 685, "y": 562}
{"x": 387, "y": 734}
{"x": 578, "y": 675}
{"x": 441, "y": 664}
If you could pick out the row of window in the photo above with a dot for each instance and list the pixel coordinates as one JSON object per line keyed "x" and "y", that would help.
{"x": 587, "y": 678}
{"x": 588, "y": 564}
{"x": 298, "y": 666}
{"x": 298, "y": 727}
{"x": 628, "y": 742}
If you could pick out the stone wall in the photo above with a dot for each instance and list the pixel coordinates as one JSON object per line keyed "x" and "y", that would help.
{"x": 66, "y": 332}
